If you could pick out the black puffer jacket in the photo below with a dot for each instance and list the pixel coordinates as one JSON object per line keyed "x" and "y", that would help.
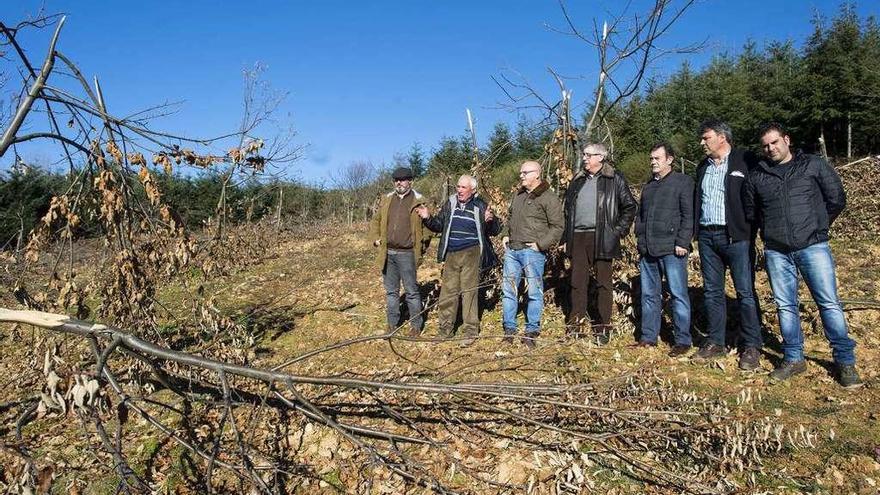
{"x": 441, "y": 222}
{"x": 794, "y": 210}
{"x": 666, "y": 215}
{"x": 615, "y": 211}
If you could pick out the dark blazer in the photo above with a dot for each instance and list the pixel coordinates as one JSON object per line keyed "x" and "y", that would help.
{"x": 440, "y": 223}
{"x": 665, "y": 218}
{"x": 794, "y": 210}
{"x": 615, "y": 210}
{"x": 739, "y": 164}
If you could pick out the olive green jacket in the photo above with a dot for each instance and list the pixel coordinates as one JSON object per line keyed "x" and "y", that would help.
{"x": 535, "y": 217}
{"x": 379, "y": 229}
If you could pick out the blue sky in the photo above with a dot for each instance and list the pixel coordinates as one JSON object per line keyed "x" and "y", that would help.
{"x": 365, "y": 79}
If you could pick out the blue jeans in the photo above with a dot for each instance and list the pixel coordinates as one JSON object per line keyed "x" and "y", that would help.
{"x": 674, "y": 269}
{"x": 400, "y": 266}
{"x": 717, "y": 254}
{"x": 517, "y": 262}
{"x": 816, "y": 265}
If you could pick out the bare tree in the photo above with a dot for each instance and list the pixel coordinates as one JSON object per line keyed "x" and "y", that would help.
{"x": 112, "y": 180}
{"x": 625, "y": 47}
{"x": 354, "y": 180}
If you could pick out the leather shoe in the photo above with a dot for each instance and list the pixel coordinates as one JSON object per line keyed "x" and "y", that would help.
{"x": 710, "y": 351}
{"x": 750, "y": 359}
{"x": 643, "y": 344}
{"x": 679, "y": 350}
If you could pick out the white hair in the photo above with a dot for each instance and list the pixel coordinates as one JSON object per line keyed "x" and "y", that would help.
{"x": 471, "y": 179}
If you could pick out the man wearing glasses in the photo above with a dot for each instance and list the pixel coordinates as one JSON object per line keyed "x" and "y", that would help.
{"x": 535, "y": 224}
{"x": 397, "y": 233}
{"x": 599, "y": 211}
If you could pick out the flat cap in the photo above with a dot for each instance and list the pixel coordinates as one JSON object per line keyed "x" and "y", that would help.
{"x": 402, "y": 173}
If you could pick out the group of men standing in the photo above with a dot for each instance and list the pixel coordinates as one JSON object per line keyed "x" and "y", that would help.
{"x": 791, "y": 197}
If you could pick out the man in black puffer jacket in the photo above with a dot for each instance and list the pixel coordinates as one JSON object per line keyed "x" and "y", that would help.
{"x": 665, "y": 230}
{"x": 795, "y": 198}
{"x": 599, "y": 211}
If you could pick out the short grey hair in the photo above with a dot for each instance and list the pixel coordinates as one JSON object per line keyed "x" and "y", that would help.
{"x": 471, "y": 179}
{"x": 597, "y": 148}
{"x": 720, "y": 127}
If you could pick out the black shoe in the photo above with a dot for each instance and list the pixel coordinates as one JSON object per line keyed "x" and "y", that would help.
{"x": 602, "y": 334}
{"x": 788, "y": 370}
{"x": 679, "y": 350}
{"x": 848, "y": 377}
{"x": 710, "y": 351}
{"x": 750, "y": 359}
{"x": 574, "y": 334}
{"x": 529, "y": 340}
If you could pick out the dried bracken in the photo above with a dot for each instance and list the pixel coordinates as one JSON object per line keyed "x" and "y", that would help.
{"x": 411, "y": 431}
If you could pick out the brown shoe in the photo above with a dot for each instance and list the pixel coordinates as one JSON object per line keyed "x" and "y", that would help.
{"x": 529, "y": 340}
{"x": 414, "y": 332}
{"x": 710, "y": 351}
{"x": 643, "y": 344}
{"x": 679, "y": 350}
{"x": 750, "y": 359}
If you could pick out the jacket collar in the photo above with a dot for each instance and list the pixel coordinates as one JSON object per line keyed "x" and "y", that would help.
{"x": 416, "y": 195}
{"x": 543, "y": 186}
{"x": 607, "y": 170}
{"x": 475, "y": 199}
{"x": 769, "y": 166}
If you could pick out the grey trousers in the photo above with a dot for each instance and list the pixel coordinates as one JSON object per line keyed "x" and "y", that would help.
{"x": 401, "y": 266}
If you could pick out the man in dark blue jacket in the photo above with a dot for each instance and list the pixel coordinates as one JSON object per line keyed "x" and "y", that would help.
{"x": 465, "y": 223}
{"x": 664, "y": 231}
{"x": 795, "y": 197}
{"x": 726, "y": 241}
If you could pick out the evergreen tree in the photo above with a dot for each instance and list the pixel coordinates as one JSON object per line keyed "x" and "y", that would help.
{"x": 415, "y": 160}
{"x": 501, "y": 147}
{"x": 450, "y": 159}
{"x": 529, "y": 145}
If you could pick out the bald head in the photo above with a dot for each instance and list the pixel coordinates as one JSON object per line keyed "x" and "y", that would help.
{"x": 531, "y": 164}
{"x": 530, "y": 174}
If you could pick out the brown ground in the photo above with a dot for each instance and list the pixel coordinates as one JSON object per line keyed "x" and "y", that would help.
{"x": 317, "y": 289}
{"x": 329, "y": 272}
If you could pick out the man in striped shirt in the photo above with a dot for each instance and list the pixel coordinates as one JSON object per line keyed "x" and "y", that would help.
{"x": 465, "y": 223}
{"x": 726, "y": 241}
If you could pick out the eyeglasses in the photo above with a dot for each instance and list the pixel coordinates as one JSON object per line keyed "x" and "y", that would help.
{"x": 592, "y": 154}
{"x": 527, "y": 172}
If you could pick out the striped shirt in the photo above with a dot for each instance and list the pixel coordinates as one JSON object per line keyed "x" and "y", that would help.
{"x": 463, "y": 227}
{"x": 712, "y": 193}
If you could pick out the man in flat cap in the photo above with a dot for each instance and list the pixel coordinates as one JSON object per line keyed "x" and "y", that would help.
{"x": 400, "y": 240}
